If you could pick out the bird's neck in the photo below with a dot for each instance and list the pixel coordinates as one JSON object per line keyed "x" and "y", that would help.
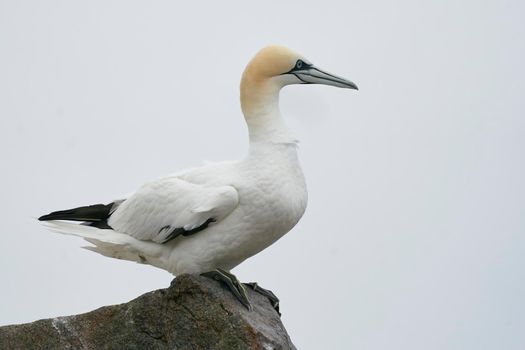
{"x": 260, "y": 106}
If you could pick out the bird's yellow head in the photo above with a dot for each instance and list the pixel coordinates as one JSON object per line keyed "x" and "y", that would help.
{"x": 274, "y": 67}
{"x": 289, "y": 67}
{"x": 272, "y": 61}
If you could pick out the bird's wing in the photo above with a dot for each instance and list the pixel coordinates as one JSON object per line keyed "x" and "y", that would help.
{"x": 163, "y": 209}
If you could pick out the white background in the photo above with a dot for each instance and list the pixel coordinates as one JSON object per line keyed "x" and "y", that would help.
{"x": 414, "y": 237}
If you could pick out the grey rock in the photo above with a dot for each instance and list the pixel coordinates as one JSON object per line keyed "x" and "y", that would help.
{"x": 193, "y": 313}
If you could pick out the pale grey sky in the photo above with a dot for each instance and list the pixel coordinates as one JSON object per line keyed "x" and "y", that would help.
{"x": 414, "y": 237}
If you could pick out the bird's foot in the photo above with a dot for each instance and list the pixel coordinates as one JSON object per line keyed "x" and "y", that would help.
{"x": 236, "y": 287}
{"x": 267, "y": 293}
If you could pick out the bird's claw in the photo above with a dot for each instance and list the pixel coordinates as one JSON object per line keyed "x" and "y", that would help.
{"x": 267, "y": 293}
{"x": 236, "y": 287}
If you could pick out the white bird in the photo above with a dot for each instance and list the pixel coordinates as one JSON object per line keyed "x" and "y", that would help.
{"x": 208, "y": 220}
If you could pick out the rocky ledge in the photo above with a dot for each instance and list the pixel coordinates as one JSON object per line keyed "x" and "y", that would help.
{"x": 193, "y": 313}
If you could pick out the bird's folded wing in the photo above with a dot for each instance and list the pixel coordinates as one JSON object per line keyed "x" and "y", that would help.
{"x": 165, "y": 208}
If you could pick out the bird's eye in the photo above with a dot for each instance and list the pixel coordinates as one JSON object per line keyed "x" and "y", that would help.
{"x": 299, "y": 64}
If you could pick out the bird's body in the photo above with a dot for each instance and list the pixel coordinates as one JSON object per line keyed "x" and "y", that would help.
{"x": 271, "y": 199}
{"x": 216, "y": 216}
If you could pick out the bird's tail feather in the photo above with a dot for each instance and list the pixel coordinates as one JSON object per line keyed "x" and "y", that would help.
{"x": 111, "y": 243}
{"x": 88, "y": 232}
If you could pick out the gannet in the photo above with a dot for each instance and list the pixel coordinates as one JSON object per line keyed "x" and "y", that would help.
{"x": 209, "y": 219}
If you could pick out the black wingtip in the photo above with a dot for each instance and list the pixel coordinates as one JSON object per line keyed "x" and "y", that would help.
{"x": 56, "y": 215}
{"x": 68, "y": 214}
{"x": 45, "y": 217}
{"x": 91, "y": 213}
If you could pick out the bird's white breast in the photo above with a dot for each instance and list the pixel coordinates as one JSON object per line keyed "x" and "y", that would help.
{"x": 272, "y": 199}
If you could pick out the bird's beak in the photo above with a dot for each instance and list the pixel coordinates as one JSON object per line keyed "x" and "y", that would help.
{"x": 314, "y": 75}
